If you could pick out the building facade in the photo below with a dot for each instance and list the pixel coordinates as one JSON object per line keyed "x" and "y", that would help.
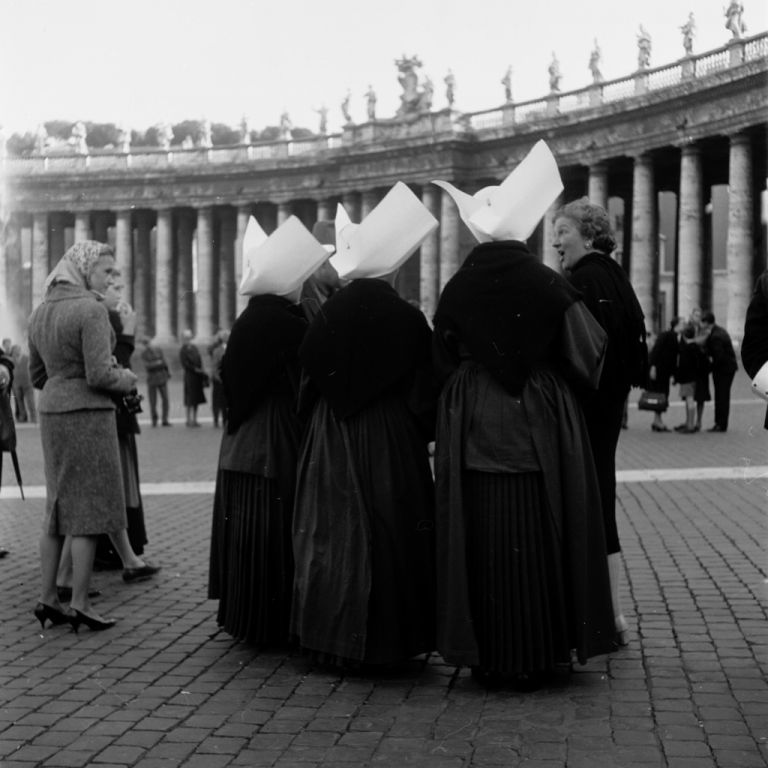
{"x": 677, "y": 154}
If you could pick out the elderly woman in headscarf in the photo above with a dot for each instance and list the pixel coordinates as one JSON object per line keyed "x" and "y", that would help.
{"x": 251, "y": 564}
{"x": 70, "y": 344}
{"x": 363, "y": 530}
{"x": 521, "y": 567}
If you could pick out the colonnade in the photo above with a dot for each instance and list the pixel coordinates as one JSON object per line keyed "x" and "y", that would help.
{"x": 181, "y": 265}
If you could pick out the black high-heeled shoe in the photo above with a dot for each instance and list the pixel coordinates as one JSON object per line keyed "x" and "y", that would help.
{"x": 54, "y": 615}
{"x": 76, "y": 618}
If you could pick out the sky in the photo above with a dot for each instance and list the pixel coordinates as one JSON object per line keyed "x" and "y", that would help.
{"x": 145, "y": 62}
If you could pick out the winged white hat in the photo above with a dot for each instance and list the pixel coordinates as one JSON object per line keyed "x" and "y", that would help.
{"x": 385, "y": 239}
{"x": 281, "y": 262}
{"x": 512, "y": 209}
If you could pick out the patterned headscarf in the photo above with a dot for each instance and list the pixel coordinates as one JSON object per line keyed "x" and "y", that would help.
{"x": 77, "y": 263}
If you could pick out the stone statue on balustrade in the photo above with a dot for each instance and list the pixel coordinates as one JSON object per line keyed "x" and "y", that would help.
{"x": 286, "y": 127}
{"x": 554, "y": 74}
{"x": 206, "y": 137}
{"x": 688, "y": 29}
{"x": 245, "y": 130}
{"x": 78, "y": 138}
{"x": 506, "y": 81}
{"x": 427, "y": 95}
{"x": 323, "y": 113}
{"x": 734, "y": 21}
{"x": 164, "y": 135}
{"x": 123, "y": 140}
{"x": 450, "y": 88}
{"x": 186, "y": 143}
{"x": 41, "y": 139}
{"x": 643, "y": 48}
{"x": 413, "y": 100}
{"x": 370, "y": 103}
{"x": 594, "y": 63}
{"x": 345, "y": 108}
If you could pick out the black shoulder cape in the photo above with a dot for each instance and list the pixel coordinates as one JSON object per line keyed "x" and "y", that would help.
{"x": 364, "y": 340}
{"x": 506, "y": 307}
{"x": 261, "y": 355}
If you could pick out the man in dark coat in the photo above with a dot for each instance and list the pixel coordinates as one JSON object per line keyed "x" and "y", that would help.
{"x": 754, "y": 347}
{"x": 724, "y": 366}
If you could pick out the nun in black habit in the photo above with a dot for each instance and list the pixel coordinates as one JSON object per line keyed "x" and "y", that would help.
{"x": 521, "y": 567}
{"x": 251, "y": 562}
{"x": 364, "y": 514}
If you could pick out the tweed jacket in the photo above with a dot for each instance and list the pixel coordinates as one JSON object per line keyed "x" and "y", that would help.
{"x": 70, "y": 352}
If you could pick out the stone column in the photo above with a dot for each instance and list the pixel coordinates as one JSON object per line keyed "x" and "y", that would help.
{"x": 368, "y": 201}
{"x": 204, "y": 303}
{"x": 598, "y": 184}
{"x": 352, "y": 205}
{"x": 691, "y": 232}
{"x": 740, "y": 238}
{"x": 124, "y": 250}
{"x": 186, "y": 307}
{"x": 449, "y": 238}
{"x": 164, "y": 276}
{"x": 227, "y": 285}
{"x": 243, "y": 214}
{"x": 326, "y": 210}
{"x": 643, "y": 266}
{"x": 430, "y": 256}
{"x": 57, "y": 236}
{"x": 142, "y": 297}
{"x": 39, "y": 256}
{"x": 82, "y": 226}
{"x": 549, "y": 255}
{"x": 100, "y": 228}
{"x": 283, "y": 212}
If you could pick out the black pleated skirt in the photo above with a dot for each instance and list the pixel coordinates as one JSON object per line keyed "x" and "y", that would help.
{"x": 514, "y": 563}
{"x": 251, "y": 558}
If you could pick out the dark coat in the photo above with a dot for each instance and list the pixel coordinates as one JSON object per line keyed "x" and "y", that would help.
{"x": 610, "y": 298}
{"x": 195, "y": 377}
{"x": 720, "y": 350}
{"x": 754, "y": 346}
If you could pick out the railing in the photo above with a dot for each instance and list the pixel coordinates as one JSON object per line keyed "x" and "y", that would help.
{"x": 596, "y": 94}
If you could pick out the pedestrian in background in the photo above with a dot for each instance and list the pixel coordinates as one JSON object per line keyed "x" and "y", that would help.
{"x": 7, "y": 428}
{"x": 218, "y": 399}
{"x": 195, "y": 378}
{"x": 70, "y": 352}
{"x": 584, "y": 240}
{"x": 719, "y": 348}
{"x": 692, "y": 366}
{"x": 663, "y": 364}
{"x": 158, "y": 375}
{"x": 23, "y": 391}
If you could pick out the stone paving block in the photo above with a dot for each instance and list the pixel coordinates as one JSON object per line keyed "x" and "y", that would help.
{"x": 122, "y": 755}
{"x": 686, "y": 748}
{"x": 67, "y": 758}
{"x": 137, "y": 738}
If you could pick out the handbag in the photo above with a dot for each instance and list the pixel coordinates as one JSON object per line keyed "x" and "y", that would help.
{"x": 653, "y": 401}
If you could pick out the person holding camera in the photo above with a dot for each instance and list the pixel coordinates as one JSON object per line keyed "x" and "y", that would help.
{"x": 124, "y": 553}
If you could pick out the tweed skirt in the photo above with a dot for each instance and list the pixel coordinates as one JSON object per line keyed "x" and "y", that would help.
{"x": 83, "y": 477}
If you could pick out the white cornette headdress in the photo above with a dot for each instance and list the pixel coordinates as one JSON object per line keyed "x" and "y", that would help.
{"x": 760, "y": 382}
{"x": 511, "y": 210}
{"x": 280, "y": 263}
{"x": 385, "y": 239}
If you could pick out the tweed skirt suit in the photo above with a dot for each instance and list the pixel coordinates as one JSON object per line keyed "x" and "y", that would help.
{"x": 71, "y": 341}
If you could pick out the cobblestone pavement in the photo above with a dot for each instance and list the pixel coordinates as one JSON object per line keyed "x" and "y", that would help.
{"x": 166, "y": 688}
